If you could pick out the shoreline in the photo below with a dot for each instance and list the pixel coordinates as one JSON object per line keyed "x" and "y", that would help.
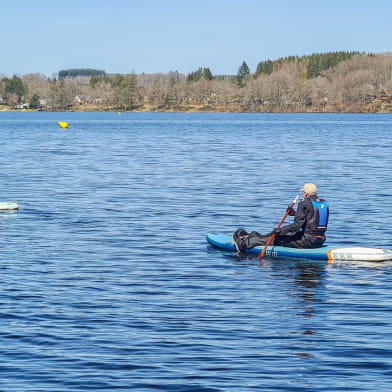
{"x": 192, "y": 110}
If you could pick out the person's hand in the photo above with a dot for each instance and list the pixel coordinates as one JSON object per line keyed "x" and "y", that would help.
{"x": 290, "y": 211}
{"x": 276, "y": 231}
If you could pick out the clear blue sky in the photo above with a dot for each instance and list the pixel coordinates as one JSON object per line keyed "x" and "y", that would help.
{"x": 151, "y": 36}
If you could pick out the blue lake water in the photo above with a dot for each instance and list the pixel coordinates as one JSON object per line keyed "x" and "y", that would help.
{"x": 107, "y": 282}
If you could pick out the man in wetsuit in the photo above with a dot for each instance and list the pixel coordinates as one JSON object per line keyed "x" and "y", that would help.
{"x": 307, "y": 230}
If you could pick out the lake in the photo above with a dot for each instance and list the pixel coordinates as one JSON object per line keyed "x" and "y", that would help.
{"x": 107, "y": 282}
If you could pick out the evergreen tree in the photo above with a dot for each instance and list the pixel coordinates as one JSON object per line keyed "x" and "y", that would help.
{"x": 34, "y": 102}
{"x": 265, "y": 67}
{"x": 72, "y": 73}
{"x": 15, "y": 86}
{"x": 201, "y": 73}
{"x": 315, "y": 63}
{"x": 243, "y": 73}
{"x": 60, "y": 95}
{"x": 126, "y": 89}
{"x": 207, "y": 74}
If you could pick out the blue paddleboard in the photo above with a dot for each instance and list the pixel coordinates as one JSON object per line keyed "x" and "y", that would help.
{"x": 326, "y": 253}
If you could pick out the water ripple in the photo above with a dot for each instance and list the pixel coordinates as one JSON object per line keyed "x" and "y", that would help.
{"x": 108, "y": 283}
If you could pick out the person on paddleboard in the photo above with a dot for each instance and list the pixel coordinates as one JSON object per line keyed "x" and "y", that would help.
{"x": 307, "y": 231}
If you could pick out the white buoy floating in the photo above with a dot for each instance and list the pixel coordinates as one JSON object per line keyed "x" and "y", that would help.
{"x": 63, "y": 124}
{"x": 8, "y": 206}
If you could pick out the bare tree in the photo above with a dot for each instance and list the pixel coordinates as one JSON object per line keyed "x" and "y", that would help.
{"x": 355, "y": 84}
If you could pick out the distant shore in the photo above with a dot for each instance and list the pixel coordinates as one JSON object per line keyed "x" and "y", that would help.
{"x": 198, "y": 109}
{"x": 334, "y": 82}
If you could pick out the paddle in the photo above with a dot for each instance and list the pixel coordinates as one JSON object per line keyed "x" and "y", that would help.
{"x": 261, "y": 255}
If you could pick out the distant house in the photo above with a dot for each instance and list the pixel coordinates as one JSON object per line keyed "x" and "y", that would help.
{"x": 2, "y": 102}
{"x": 80, "y": 99}
{"x": 22, "y": 106}
{"x": 386, "y": 96}
{"x": 43, "y": 104}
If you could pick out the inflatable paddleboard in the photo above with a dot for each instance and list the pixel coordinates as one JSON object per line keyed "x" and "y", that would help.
{"x": 8, "y": 205}
{"x": 327, "y": 253}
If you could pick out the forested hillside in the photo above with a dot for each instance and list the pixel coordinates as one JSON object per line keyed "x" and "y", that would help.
{"x": 312, "y": 66}
{"x": 329, "y": 82}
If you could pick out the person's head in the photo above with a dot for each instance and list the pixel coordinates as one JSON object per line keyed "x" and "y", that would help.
{"x": 309, "y": 189}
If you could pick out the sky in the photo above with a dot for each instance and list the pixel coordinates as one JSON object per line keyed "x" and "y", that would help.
{"x": 151, "y": 36}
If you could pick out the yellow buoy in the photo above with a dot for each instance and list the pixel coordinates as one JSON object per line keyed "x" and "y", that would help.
{"x": 63, "y": 124}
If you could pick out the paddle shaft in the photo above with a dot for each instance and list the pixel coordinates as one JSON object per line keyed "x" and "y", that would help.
{"x": 268, "y": 243}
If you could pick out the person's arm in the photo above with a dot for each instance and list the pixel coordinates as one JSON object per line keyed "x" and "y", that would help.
{"x": 299, "y": 220}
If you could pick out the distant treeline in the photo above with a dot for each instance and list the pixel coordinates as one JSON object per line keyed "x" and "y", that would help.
{"x": 314, "y": 64}
{"x": 320, "y": 82}
{"x": 73, "y": 73}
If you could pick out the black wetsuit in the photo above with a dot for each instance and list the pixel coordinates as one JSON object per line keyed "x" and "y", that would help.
{"x": 307, "y": 230}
